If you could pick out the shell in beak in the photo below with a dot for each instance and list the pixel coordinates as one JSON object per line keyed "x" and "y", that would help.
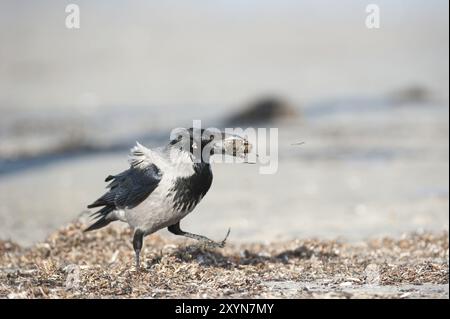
{"x": 233, "y": 145}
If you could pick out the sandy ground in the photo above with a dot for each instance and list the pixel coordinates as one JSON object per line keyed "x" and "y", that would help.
{"x": 73, "y": 264}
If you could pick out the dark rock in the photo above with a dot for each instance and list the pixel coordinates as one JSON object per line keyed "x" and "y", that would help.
{"x": 261, "y": 111}
{"x": 411, "y": 94}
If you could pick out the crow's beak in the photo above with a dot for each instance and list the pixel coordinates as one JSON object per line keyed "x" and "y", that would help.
{"x": 233, "y": 145}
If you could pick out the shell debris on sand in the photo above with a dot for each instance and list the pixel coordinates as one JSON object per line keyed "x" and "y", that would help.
{"x": 73, "y": 264}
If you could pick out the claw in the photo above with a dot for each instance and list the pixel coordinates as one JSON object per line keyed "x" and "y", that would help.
{"x": 225, "y": 239}
{"x": 221, "y": 244}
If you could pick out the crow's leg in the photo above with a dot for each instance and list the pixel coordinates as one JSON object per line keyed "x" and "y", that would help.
{"x": 175, "y": 229}
{"x": 137, "y": 245}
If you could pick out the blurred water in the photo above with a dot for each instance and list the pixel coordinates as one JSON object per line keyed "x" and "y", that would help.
{"x": 381, "y": 171}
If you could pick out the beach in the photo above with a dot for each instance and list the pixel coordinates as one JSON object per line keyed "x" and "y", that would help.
{"x": 362, "y": 154}
{"x": 73, "y": 264}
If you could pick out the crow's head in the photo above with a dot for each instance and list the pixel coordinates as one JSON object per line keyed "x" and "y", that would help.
{"x": 203, "y": 143}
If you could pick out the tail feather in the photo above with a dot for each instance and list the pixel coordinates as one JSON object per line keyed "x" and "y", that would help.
{"x": 103, "y": 218}
{"x": 102, "y": 222}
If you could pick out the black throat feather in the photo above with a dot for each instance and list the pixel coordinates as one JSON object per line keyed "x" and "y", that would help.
{"x": 190, "y": 190}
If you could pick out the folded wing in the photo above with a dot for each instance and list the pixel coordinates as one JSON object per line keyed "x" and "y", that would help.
{"x": 127, "y": 189}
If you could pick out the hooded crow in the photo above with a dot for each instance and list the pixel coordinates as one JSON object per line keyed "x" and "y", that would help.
{"x": 163, "y": 185}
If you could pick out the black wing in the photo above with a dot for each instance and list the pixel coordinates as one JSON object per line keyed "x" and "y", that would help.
{"x": 129, "y": 188}
{"x": 126, "y": 190}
